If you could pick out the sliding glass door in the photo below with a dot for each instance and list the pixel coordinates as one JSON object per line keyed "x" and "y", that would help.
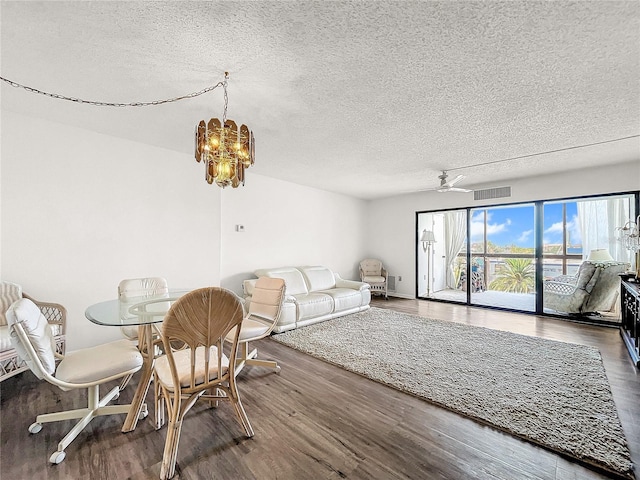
{"x": 440, "y": 254}
{"x": 582, "y": 233}
{"x": 503, "y": 256}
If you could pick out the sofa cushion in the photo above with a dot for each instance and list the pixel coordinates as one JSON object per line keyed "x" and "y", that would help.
{"x": 314, "y": 305}
{"x": 293, "y": 279}
{"x": 344, "y": 298}
{"x": 372, "y": 279}
{"x": 585, "y": 276}
{"x": 318, "y": 278}
{"x": 9, "y": 293}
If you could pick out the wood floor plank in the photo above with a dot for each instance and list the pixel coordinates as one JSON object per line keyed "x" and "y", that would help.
{"x": 314, "y": 421}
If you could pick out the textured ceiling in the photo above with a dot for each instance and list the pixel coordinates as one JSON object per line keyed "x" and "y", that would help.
{"x": 369, "y": 99}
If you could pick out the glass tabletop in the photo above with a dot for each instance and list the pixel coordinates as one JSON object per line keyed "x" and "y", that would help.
{"x": 133, "y": 310}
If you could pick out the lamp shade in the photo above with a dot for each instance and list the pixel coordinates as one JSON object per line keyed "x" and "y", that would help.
{"x": 428, "y": 236}
{"x": 600, "y": 255}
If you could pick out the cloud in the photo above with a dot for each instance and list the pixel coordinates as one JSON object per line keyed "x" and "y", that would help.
{"x": 524, "y": 236}
{"x": 553, "y": 234}
{"x": 556, "y": 228}
{"x": 477, "y": 226}
{"x": 575, "y": 235}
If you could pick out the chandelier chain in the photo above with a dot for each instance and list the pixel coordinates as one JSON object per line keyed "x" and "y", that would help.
{"x": 226, "y": 97}
{"x": 131, "y": 104}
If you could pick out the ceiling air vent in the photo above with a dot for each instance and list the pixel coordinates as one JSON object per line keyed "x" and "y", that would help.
{"x": 498, "y": 192}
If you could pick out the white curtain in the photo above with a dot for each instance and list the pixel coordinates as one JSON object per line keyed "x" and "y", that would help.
{"x": 455, "y": 229}
{"x": 598, "y": 222}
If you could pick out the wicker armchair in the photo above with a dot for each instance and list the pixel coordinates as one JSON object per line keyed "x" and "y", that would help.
{"x": 373, "y": 272}
{"x": 593, "y": 288}
{"x": 10, "y": 363}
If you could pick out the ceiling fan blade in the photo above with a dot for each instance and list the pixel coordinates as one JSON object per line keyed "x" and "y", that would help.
{"x": 452, "y": 182}
{"x": 448, "y": 186}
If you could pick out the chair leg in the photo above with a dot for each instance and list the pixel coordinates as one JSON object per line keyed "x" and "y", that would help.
{"x": 159, "y": 405}
{"x": 125, "y": 382}
{"x": 249, "y": 358}
{"x": 234, "y": 397}
{"x": 177, "y": 408}
{"x": 170, "y": 455}
{"x": 264, "y": 363}
{"x": 95, "y": 407}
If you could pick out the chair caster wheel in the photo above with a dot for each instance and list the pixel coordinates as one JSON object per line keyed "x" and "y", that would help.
{"x": 57, "y": 457}
{"x": 143, "y": 413}
{"x": 278, "y": 369}
{"x": 35, "y": 427}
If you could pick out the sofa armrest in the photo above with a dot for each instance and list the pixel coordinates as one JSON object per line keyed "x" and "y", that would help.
{"x": 564, "y": 279}
{"x": 290, "y": 299}
{"x": 248, "y": 286}
{"x": 342, "y": 283}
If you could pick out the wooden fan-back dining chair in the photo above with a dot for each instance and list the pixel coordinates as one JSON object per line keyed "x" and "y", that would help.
{"x": 201, "y": 320}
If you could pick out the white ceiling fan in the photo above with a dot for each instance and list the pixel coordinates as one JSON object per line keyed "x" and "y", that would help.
{"x": 448, "y": 186}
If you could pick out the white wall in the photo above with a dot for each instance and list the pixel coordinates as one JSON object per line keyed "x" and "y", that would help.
{"x": 81, "y": 211}
{"x": 288, "y": 224}
{"x": 392, "y": 221}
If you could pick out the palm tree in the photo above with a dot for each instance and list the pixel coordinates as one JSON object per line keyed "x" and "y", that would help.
{"x": 516, "y": 276}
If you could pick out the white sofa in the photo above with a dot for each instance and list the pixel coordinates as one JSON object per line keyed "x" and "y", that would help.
{"x": 313, "y": 294}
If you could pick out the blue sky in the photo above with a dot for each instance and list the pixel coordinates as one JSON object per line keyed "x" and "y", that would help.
{"x": 514, "y": 225}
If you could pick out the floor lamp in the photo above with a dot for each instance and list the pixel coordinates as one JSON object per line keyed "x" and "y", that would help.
{"x": 428, "y": 239}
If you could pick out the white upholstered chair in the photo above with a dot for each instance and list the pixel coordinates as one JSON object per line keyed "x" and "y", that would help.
{"x": 137, "y": 288}
{"x": 202, "y": 320}
{"x": 263, "y": 314}
{"x": 10, "y": 363}
{"x": 134, "y": 290}
{"x": 86, "y": 368}
{"x": 373, "y": 272}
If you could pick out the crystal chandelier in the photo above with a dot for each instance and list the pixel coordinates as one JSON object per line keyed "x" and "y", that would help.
{"x": 225, "y": 149}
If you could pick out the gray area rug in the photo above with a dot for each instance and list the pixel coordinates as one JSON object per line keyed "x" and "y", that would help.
{"x": 552, "y": 393}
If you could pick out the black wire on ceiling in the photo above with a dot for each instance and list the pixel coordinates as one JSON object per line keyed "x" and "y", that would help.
{"x": 222, "y": 84}
{"x": 112, "y": 104}
{"x": 542, "y": 153}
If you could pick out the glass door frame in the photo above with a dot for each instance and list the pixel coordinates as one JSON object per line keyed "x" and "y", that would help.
{"x": 538, "y": 245}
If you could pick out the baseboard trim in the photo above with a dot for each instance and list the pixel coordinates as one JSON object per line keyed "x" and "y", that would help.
{"x": 401, "y": 295}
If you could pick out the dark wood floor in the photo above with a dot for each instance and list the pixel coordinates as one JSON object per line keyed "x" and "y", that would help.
{"x": 314, "y": 421}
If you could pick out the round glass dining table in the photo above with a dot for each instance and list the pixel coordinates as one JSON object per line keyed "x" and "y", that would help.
{"x": 145, "y": 312}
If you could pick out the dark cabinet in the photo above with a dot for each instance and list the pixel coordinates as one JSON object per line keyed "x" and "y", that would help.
{"x": 630, "y": 329}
